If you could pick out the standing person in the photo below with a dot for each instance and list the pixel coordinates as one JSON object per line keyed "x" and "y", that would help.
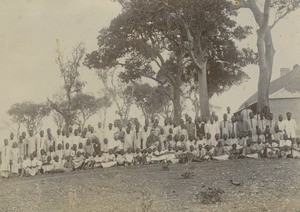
{"x": 270, "y": 122}
{"x": 252, "y": 123}
{"x": 22, "y": 147}
{"x": 211, "y": 128}
{"x": 108, "y": 133}
{"x": 200, "y": 127}
{"x": 31, "y": 144}
{"x": 49, "y": 142}
{"x": 190, "y": 127}
{"x": 128, "y": 139}
{"x": 5, "y": 159}
{"x": 228, "y": 110}
{"x": 224, "y": 126}
{"x": 100, "y": 132}
{"x": 233, "y": 125}
{"x": 41, "y": 143}
{"x": 242, "y": 126}
{"x": 59, "y": 138}
{"x": 152, "y": 140}
{"x": 290, "y": 127}
{"x": 144, "y": 135}
{"x": 11, "y": 139}
{"x": 15, "y": 159}
{"x": 246, "y": 111}
{"x": 261, "y": 122}
{"x": 280, "y": 123}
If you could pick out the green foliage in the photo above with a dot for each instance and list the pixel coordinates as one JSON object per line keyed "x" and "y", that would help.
{"x": 29, "y": 114}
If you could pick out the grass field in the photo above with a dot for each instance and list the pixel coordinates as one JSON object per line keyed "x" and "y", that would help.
{"x": 267, "y": 185}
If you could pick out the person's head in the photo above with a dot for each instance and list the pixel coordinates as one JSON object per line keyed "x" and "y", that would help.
{"x": 280, "y": 118}
{"x": 49, "y": 159}
{"x": 110, "y": 125}
{"x": 78, "y": 154}
{"x": 192, "y": 148}
{"x": 211, "y": 119}
{"x": 184, "y": 148}
{"x": 208, "y": 135}
{"x": 67, "y": 134}
{"x": 259, "y": 141}
{"x": 258, "y": 131}
{"x": 234, "y": 146}
{"x": 249, "y": 133}
{"x": 31, "y": 133}
{"x": 191, "y": 137}
{"x": 58, "y": 131}
{"x": 49, "y": 135}
{"x": 162, "y": 131}
{"x": 149, "y": 150}
{"x": 182, "y": 137}
{"x": 166, "y": 121}
{"x": 276, "y": 129}
{"x": 23, "y": 135}
{"x": 70, "y": 129}
{"x": 169, "y": 137}
{"x": 217, "y": 136}
{"x": 80, "y": 145}
{"x": 189, "y": 119}
{"x": 232, "y": 135}
{"x": 225, "y": 136}
{"x": 152, "y": 132}
{"x": 14, "y": 145}
{"x": 271, "y": 116}
{"x": 219, "y": 143}
{"x": 241, "y": 135}
{"x": 51, "y": 149}
{"x": 200, "y": 146}
{"x": 145, "y": 128}
{"x": 228, "y": 109}
{"x": 233, "y": 119}
{"x": 21, "y": 139}
{"x": 48, "y": 130}
{"x": 251, "y": 116}
{"x": 59, "y": 146}
{"x": 76, "y": 132}
{"x": 74, "y": 147}
{"x": 267, "y": 130}
{"x": 176, "y": 137}
{"x": 105, "y": 140}
{"x": 67, "y": 145}
{"x": 121, "y": 152}
{"x": 248, "y": 142}
{"x": 42, "y": 133}
{"x": 137, "y": 150}
{"x": 262, "y": 116}
{"x": 288, "y": 116}
{"x": 285, "y": 136}
{"x": 225, "y": 117}
{"x": 12, "y": 135}
{"x": 92, "y": 129}
{"x": 128, "y": 130}
{"x": 56, "y": 158}
{"x": 63, "y": 132}
{"x": 96, "y": 141}
{"x": 216, "y": 118}
{"x": 110, "y": 151}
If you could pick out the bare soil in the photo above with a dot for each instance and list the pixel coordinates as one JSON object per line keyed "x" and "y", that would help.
{"x": 261, "y": 185}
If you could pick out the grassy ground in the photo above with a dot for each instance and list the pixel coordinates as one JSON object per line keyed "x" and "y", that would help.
{"x": 267, "y": 185}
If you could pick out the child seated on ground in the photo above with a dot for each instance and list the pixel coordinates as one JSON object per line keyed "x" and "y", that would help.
{"x": 67, "y": 151}
{"x": 67, "y": 164}
{"x": 233, "y": 139}
{"x": 234, "y": 152}
{"x": 129, "y": 157}
{"x": 192, "y": 153}
{"x": 190, "y": 141}
{"x": 200, "y": 140}
{"x": 98, "y": 160}
{"x": 89, "y": 161}
{"x": 170, "y": 141}
{"x": 104, "y": 147}
{"x": 259, "y": 148}
{"x": 226, "y": 143}
{"x": 121, "y": 158}
{"x": 110, "y": 159}
{"x": 285, "y": 146}
{"x": 248, "y": 151}
{"x": 241, "y": 142}
{"x": 181, "y": 142}
{"x": 296, "y": 149}
{"x": 73, "y": 151}
{"x": 89, "y": 148}
{"x": 138, "y": 156}
{"x": 148, "y": 156}
{"x": 57, "y": 165}
{"x": 219, "y": 152}
{"x": 159, "y": 154}
{"x": 78, "y": 161}
{"x": 170, "y": 155}
{"x": 80, "y": 149}
{"x": 47, "y": 166}
{"x": 32, "y": 166}
{"x": 43, "y": 156}
{"x": 272, "y": 149}
{"x": 59, "y": 152}
{"x": 52, "y": 152}
{"x": 277, "y": 136}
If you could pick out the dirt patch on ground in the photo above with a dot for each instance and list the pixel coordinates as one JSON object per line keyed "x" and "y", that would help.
{"x": 260, "y": 185}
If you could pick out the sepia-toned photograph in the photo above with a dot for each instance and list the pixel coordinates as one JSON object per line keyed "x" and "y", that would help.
{"x": 149, "y": 105}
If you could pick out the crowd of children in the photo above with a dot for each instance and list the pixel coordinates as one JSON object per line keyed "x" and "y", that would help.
{"x": 124, "y": 144}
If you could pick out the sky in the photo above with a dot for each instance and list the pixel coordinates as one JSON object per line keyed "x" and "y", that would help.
{"x": 29, "y": 30}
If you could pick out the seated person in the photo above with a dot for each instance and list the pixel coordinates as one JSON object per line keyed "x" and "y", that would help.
{"x": 81, "y": 149}
{"x": 129, "y": 157}
{"x": 47, "y": 166}
{"x": 138, "y": 156}
{"x": 248, "y": 150}
{"x": 285, "y": 146}
{"x": 110, "y": 159}
{"x": 78, "y": 161}
{"x": 259, "y": 148}
{"x": 57, "y": 165}
{"x": 226, "y": 143}
{"x": 89, "y": 148}
{"x": 234, "y": 152}
{"x": 296, "y": 149}
{"x": 272, "y": 149}
{"x": 120, "y": 159}
{"x": 219, "y": 152}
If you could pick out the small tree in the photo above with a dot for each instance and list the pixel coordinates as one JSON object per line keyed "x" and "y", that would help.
{"x": 72, "y": 84}
{"x": 29, "y": 114}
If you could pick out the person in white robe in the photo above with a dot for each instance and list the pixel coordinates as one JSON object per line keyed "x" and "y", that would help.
{"x": 5, "y": 159}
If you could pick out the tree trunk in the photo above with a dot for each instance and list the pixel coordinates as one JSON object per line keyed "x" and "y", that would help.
{"x": 177, "y": 105}
{"x": 203, "y": 91}
{"x": 266, "y": 56}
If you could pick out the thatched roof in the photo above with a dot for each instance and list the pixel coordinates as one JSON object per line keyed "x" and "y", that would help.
{"x": 287, "y": 86}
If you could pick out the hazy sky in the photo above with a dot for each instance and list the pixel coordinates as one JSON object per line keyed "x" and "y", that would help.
{"x": 29, "y": 29}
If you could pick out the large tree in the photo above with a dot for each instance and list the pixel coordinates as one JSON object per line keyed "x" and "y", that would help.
{"x": 29, "y": 114}
{"x": 71, "y": 82}
{"x": 266, "y": 51}
{"x": 165, "y": 40}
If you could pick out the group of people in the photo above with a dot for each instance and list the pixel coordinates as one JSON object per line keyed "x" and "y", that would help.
{"x": 129, "y": 143}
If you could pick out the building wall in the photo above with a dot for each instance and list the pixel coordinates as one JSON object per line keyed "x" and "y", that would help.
{"x": 282, "y": 106}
